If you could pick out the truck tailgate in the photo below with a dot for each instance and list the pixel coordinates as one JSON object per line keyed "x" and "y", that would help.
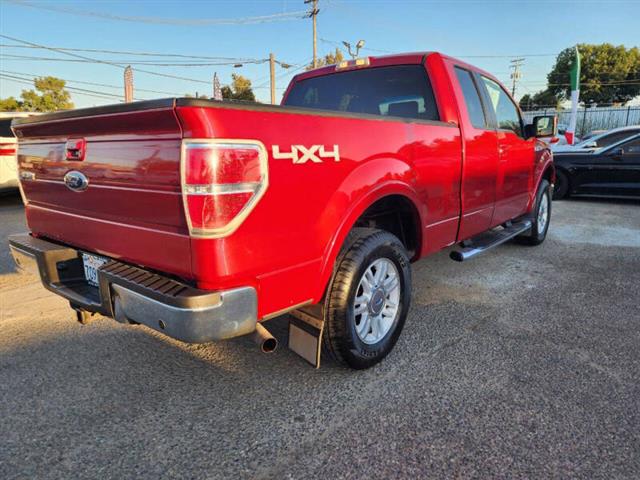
{"x": 131, "y": 208}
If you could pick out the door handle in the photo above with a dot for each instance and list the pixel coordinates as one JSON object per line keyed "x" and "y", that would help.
{"x": 75, "y": 149}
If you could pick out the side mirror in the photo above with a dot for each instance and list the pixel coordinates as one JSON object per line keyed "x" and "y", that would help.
{"x": 543, "y": 126}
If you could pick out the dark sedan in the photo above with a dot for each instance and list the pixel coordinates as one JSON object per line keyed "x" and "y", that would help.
{"x": 612, "y": 172}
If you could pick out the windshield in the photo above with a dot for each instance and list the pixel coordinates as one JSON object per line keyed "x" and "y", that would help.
{"x": 398, "y": 91}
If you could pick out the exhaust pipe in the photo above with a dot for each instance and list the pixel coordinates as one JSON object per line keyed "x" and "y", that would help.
{"x": 262, "y": 337}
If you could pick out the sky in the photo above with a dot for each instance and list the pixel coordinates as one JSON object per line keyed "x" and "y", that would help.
{"x": 484, "y": 33}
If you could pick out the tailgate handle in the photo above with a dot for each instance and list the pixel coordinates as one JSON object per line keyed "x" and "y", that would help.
{"x": 75, "y": 149}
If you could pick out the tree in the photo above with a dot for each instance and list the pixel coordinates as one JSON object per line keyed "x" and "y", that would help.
{"x": 607, "y": 73}
{"x": 49, "y": 95}
{"x": 9, "y": 104}
{"x": 544, "y": 98}
{"x": 526, "y": 102}
{"x": 240, "y": 89}
{"x": 330, "y": 58}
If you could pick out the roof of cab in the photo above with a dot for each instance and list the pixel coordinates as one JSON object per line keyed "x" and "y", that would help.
{"x": 378, "y": 61}
{"x": 393, "y": 59}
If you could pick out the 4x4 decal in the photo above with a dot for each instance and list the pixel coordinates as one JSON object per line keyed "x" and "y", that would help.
{"x": 300, "y": 154}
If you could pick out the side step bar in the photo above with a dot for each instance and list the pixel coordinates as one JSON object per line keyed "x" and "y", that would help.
{"x": 488, "y": 240}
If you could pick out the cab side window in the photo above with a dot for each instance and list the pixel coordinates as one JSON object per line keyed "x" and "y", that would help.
{"x": 507, "y": 114}
{"x": 607, "y": 140}
{"x": 471, "y": 98}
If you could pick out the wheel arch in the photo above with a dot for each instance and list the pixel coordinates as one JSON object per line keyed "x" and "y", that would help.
{"x": 545, "y": 170}
{"x": 391, "y": 192}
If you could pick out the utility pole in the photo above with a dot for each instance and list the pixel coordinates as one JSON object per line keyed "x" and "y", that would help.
{"x": 128, "y": 84}
{"x": 516, "y": 63}
{"x": 313, "y": 14}
{"x": 272, "y": 76}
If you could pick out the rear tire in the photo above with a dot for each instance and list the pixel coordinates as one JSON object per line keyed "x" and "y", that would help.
{"x": 368, "y": 298}
{"x": 541, "y": 217}
{"x": 561, "y": 189}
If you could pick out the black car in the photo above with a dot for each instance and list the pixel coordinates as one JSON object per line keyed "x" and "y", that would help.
{"x": 612, "y": 172}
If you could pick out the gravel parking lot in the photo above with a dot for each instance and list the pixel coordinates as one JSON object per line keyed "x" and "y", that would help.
{"x": 524, "y": 362}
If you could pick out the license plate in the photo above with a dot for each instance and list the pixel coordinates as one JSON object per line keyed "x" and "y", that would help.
{"x": 91, "y": 265}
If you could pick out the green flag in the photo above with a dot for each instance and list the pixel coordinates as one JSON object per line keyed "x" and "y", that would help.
{"x": 575, "y": 95}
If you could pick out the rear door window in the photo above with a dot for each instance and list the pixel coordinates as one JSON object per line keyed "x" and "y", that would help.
{"x": 471, "y": 98}
{"x": 397, "y": 91}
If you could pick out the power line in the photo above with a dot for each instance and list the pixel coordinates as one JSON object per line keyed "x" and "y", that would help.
{"x": 82, "y": 91}
{"x": 335, "y": 42}
{"x": 119, "y": 65}
{"x": 285, "y": 16}
{"x": 131, "y": 62}
{"x": 132, "y": 53}
{"x": 166, "y": 75}
{"x": 284, "y": 73}
{"x": 118, "y": 87}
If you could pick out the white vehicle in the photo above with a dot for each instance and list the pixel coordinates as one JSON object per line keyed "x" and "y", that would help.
{"x": 8, "y": 144}
{"x": 558, "y": 139}
{"x": 597, "y": 142}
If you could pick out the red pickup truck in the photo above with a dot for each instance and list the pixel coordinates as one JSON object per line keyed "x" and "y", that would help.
{"x": 202, "y": 219}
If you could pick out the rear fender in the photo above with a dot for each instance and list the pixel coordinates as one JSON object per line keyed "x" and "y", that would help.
{"x": 365, "y": 185}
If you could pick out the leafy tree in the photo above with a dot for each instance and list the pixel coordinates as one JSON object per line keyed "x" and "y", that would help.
{"x": 544, "y": 98}
{"x": 606, "y": 73}
{"x": 52, "y": 97}
{"x": 9, "y": 104}
{"x": 330, "y": 58}
{"x": 526, "y": 102}
{"x": 240, "y": 89}
{"x": 49, "y": 95}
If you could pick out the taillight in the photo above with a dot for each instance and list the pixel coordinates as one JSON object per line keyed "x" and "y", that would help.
{"x": 7, "y": 148}
{"x": 222, "y": 180}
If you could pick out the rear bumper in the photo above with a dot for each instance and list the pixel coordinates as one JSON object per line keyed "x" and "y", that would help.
{"x": 133, "y": 294}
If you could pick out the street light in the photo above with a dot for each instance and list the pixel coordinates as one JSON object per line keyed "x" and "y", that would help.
{"x": 359, "y": 45}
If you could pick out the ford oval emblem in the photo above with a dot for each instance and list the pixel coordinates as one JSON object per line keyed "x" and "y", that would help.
{"x": 76, "y": 181}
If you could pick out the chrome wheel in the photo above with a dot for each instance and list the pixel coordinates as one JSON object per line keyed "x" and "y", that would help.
{"x": 377, "y": 301}
{"x": 543, "y": 213}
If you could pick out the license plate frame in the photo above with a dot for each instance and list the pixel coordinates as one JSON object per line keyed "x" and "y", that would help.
{"x": 91, "y": 263}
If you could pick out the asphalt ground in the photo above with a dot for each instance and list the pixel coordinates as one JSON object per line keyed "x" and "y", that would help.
{"x": 522, "y": 363}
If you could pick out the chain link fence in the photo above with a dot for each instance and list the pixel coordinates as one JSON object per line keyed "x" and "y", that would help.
{"x": 595, "y": 118}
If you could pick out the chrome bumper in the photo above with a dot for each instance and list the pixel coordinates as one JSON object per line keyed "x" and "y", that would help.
{"x": 131, "y": 294}
{"x": 234, "y": 314}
